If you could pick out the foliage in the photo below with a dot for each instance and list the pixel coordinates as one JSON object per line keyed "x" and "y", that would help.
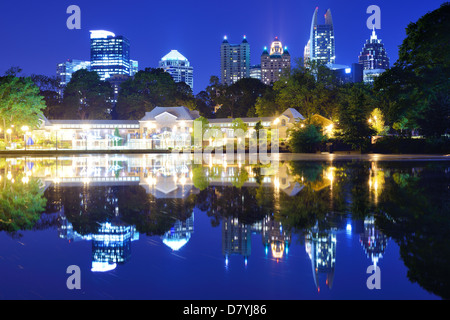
{"x": 20, "y": 102}
{"x": 21, "y": 204}
{"x": 354, "y": 111}
{"x": 87, "y": 97}
{"x": 417, "y": 86}
{"x": 305, "y": 139}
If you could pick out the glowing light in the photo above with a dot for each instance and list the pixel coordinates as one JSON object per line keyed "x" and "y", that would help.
{"x": 348, "y": 228}
{"x": 25, "y": 128}
{"x": 277, "y": 120}
{"x": 101, "y": 34}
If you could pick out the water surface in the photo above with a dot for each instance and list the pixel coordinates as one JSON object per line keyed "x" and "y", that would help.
{"x": 167, "y": 227}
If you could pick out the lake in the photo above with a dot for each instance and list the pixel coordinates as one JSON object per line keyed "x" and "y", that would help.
{"x": 166, "y": 227}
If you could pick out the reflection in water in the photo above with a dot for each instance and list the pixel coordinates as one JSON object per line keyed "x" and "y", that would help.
{"x": 112, "y": 200}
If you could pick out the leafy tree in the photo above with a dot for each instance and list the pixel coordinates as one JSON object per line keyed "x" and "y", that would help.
{"x": 354, "y": 111}
{"x": 238, "y": 99}
{"x": 20, "y": 102}
{"x": 305, "y": 139}
{"x": 150, "y": 88}
{"x": 417, "y": 86}
{"x": 50, "y": 90}
{"x": 87, "y": 97}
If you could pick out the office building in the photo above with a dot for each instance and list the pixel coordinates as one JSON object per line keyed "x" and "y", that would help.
{"x": 134, "y": 67}
{"x": 178, "y": 67}
{"x": 110, "y": 54}
{"x": 234, "y": 61}
{"x": 65, "y": 69}
{"x": 373, "y": 58}
{"x": 321, "y": 44}
{"x": 255, "y": 71}
{"x": 274, "y": 63}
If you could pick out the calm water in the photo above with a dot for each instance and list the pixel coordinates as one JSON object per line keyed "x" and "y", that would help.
{"x": 164, "y": 227}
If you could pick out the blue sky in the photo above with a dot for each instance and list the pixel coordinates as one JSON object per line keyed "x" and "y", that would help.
{"x": 35, "y": 37}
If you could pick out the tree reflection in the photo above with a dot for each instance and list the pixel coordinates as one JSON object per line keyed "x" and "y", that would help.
{"x": 414, "y": 210}
{"x": 21, "y": 202}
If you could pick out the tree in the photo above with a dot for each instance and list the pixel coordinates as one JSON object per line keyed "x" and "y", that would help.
{"x": 20, "y": 102}
{"x": 86, "y": 97}
{"x": 238, "y": 99}
{"x": 418, "y": 85}
{"x": 354, "y": 112}
{"x": 150, "y": 88}
{"x": 305, "y": 138}
{"x": 50, "y": 90}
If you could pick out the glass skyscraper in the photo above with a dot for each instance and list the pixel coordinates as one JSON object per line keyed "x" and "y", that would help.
{"x": 321, "y": 44}
{"x": 374, "y": 58}
{"x": 178, "y": 67}
{"x": 234, "y": 61}
{"x": 65, "y": 69}
{"x": 110, "y": 54}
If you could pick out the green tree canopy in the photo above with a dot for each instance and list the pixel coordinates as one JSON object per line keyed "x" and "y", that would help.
{"x": 87, "y": 97}
{"x": 417, "y": 86}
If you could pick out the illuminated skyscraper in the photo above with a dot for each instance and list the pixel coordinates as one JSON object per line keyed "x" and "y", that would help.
{"x": 321, "y": 44}
{"x": 178, "y": 67}
{"x": 234, "y": 61}
{"x": 110, "y": 54}
{"x": 374, "y": 58}
{"x": 275, "y": 63}
{"x": 65, "y": 69}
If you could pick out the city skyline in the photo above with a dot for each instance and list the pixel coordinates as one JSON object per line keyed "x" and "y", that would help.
{"x": 288, "y": 20}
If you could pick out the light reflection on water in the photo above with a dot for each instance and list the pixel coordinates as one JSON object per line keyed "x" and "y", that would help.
{"x": 288, "y": 214}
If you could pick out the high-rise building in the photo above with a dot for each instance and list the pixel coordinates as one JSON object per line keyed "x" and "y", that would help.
{"x": 255, "y": 71}
{"x": 134, "y": 67}
{"x": 110, "y": 54}
{"x": 275, "y": 63}
{"x": 178, "y": 67}
{"x": 374, "y": 58}
{"x": 65, "y": 69}
{"x": 234, "y": 61}
{"x": 321, "y": 44}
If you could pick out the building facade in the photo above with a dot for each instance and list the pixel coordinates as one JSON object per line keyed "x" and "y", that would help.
{"x": 234, "y": 61}
{"x": 374, "y": 58}
{"x": 178, "y": 67}
{"x": 110, "y": 54}
{"x": 321, "y": 44}
{"x": 275, "y": 63}
{"x": 65, "y": 69}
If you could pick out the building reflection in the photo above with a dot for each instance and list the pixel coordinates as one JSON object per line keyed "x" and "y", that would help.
{"x": 111, "y": 244}
{"x": 321, "y": 249}
{"x": 179, "y": 234}
{"x": 373, "y": 241}
{"x": 236, "y": 239}
{"x": 275, "y": 238}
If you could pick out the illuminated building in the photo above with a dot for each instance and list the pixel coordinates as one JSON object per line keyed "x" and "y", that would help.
{"x": 134, "y": 67}
{"x": 110, "y": 54}
{"x": 321, "y": 44}
{"x": 274, "y": 63}
{"x": 255, "y": 72}
{"x": 65, "y": 69}
{"x": 373, "y": 58}
{"x": 178, "y": 67}
{"x": 234, "y": 61}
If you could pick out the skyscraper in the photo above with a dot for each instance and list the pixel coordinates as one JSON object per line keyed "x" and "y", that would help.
{"x": 65, "y": 69}
{"x": 374, "y": 58}
{"x": 234, "y": 61}
{"x": 321, "y": 44}
{"x": 110, "y": 54}
{"x": 178, "y": 67}
{"x": 275, "y": 63}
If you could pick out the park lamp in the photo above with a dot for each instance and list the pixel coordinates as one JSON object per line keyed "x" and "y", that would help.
{"x": 25, "y": 128}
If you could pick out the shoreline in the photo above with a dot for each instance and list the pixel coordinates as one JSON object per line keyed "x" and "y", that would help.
{"x": 336, "y": 156}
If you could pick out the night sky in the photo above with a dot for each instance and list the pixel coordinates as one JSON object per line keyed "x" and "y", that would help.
{"x": 35, "y": 37}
